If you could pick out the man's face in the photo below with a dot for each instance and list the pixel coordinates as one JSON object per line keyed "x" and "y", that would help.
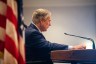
{"x": 45, "y": 24}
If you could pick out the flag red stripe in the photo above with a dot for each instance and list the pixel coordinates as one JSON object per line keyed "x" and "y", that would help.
{"x": 4, "y": 1}
{"x": 1, "y": 46}
{"x": 2, "y": 21}
{"x": 21, "y": 60}
{"x": 11, "y": 47}
{"x": 11, "y": 16}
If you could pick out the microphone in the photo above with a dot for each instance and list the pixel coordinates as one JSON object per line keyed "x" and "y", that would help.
{"x": 83, "y": 38}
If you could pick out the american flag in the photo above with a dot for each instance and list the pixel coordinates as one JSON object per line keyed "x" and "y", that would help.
{"x": 11, "y": 40}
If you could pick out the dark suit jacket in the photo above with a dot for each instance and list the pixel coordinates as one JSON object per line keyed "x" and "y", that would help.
{"x": 37, "y": 47}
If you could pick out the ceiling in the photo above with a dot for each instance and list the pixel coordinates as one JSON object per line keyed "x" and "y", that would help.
{"x": 57, "y": 3}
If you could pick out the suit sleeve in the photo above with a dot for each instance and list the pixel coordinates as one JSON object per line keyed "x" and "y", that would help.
{"x": 36, "y": 39}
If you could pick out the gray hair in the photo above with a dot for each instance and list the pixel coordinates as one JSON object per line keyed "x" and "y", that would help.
{"x": 40, "y": 14}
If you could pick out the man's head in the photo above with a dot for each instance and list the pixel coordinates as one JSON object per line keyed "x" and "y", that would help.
{"x": 41, "y": 18}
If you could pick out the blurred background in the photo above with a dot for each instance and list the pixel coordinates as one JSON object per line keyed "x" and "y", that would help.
{"x": 77, "y": 17}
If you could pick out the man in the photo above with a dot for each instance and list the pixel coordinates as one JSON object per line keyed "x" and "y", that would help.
{"x": 37, "y": 47}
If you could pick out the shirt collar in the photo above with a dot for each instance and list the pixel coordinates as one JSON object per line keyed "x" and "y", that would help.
{"x": 37, "y": 28}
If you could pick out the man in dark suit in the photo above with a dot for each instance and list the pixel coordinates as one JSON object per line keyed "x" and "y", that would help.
{"x": 37, "y": 47}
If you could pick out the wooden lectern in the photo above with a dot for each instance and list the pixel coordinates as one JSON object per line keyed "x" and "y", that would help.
{"x": 87, "y": 56}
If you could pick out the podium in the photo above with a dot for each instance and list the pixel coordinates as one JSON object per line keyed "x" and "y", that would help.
{"x": 87, "y": 56}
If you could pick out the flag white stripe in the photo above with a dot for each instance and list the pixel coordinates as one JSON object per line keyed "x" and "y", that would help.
{"x": 22, "y": 49}
{"x": 3, "y": 8}
{"x": 11, "y": 32}
{"x": 8, "y": 58}
{"x": 1, "y": 55}
{"x": 13, "y": 5}
{"x": 2, "y": 34}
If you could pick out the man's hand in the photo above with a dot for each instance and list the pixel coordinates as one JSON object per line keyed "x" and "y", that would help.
{"x": 81, "y": 46}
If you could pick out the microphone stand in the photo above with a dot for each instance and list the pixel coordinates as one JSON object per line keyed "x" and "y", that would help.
{"x": 93, "y": 43}
{"x": 83, "y": 38}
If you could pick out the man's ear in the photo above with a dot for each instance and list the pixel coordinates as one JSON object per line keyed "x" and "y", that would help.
{"x": 41, "y": 21}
